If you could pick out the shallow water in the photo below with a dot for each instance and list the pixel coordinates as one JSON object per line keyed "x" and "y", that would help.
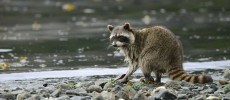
{"x": 39, "y": 36}
{"x": 189, "y": 66}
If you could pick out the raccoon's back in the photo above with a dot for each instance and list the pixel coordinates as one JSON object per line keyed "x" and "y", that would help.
{"x": 159, "y": 36}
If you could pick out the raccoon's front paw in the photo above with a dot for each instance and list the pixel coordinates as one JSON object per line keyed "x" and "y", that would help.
{"x": 120, "y": 77}
{"x": 122, "y": 81}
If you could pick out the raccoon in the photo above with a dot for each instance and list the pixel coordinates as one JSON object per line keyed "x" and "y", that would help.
{"x": 155, "y": 50}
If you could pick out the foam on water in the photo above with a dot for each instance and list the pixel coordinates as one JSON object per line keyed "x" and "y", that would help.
{"x": 5, "y": 50}
{"x": 106, "y": 71}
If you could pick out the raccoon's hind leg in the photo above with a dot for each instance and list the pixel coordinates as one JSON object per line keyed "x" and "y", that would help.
{"x": 147, "y": 74}
{"x": 158, "y": 76}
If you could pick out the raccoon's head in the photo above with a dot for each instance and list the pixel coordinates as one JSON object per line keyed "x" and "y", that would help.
{"x": 121, "y": 36}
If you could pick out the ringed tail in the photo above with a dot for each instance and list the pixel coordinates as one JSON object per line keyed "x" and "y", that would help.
{"x": 179, "y": 74}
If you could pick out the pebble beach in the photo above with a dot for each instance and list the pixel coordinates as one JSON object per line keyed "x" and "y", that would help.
{"x": 102, "y": 87}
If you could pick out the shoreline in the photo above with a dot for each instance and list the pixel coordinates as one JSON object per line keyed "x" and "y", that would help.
{"x": 188, "y": 66}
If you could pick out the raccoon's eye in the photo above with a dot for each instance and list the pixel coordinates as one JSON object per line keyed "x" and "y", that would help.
{"x": 122, "y": 39}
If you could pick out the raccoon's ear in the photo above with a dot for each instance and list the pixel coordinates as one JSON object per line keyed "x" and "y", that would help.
{"x": 110, "y": 27}
{"x": 127, "y": 26}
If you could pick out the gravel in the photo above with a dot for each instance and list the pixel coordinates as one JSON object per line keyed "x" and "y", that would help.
{"x": 103, "y": 88}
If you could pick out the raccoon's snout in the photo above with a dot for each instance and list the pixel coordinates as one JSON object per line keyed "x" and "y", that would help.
{"x": 114, "y": 45}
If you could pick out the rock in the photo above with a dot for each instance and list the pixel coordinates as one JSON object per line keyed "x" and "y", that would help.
{"x": 56, "y": 93}
{"x": 94, "y": 88}
{"x": 64, "y": 97}
{"x": 227, "y": 89}
{"x": 209, "y": 91}
{"x": 223, "y": 82}
{"x": 35, "y": 97}
{"x": 199, "y": 97}
{"x": 173, "y": 85}
{"x": 225, "y": 98}
{"x": 23, "y": 96}
{"x": 161, "y": 93}
{"x": 139, "y": 96}
{"x": 108, "y": 95}
{"x": 214, "y": 87}
{"x": 122, "y": 95}
{"x": 108, "y": 85}
{"x": 8, "y": 96}
{"x": 99, "y": 97}
{"x": 138, "y": 85}
{"x": 77, "y": 92}
{"x": 129, "y": 91}
{"x": 219, "y": 91}
{"x": 89, "y": 83}
{"x": 80, "y": 90}
{"x": 226, "y": 73}
{"x": 116, "y": 89}
{"x": 62, "y": 86}
{"x": 17, "y": 91}
{"x": 76, "y": 98}
{"x": 43, "y": 93}
{"x": 186, "y": 84}
{"x": 182, "y": 96}
{"x": 213, "y": 98}
{"x": 71, "y": 92}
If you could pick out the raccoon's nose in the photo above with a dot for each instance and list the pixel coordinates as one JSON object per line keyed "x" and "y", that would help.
{"x": 114, "y": 45}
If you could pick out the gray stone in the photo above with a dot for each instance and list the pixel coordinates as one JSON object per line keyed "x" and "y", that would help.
{"x": 226, "y": 73}
{"x": 17, "y": 91}
{"x": 64, "y": 97}
{"x": 35, "y": 97}
{"x": 209, "y": 91}
{"x": 122, "y": 95}
{"x": 77, "y": 92}
{"x": 108, "y": 95}
{"x": 226, "y": 98}
{"x": 139, "y": 96}
{"x": 87, "y": 98}
{"x": 186, "y": 84}
{"x": 173, "y": 85}
{"x": 99, "y": 97}
{"x": 94, "y": 88}
{"x": 23, "y": 96}
{"x": 227, "y": 89}
{"x": 89, "y": 83}
{"x": 76, "y": 98}
{"x": 129, "y": 91}
{"x": 62, "y": 86}
{"x": 108, "y": 85}
{"x": 213, "y": 98}
{"x": 80, "y": 90}
{"x": 56, "y": 93}
{"x": 116, "y": 89}
{"x": 8, "y": 96}
{"x": 219, "y": 91}
{"x": 182, "y": 96}
{"x": 199, "y": 97}
{"x": 43, "y": 93}
{"x": 164, "y": 94}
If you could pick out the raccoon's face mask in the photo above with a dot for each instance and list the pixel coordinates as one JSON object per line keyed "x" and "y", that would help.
{"x": 121, "y": 36}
